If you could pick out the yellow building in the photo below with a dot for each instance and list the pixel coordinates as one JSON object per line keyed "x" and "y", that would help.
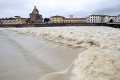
{"x": 57, "y": 19}
{"x": 61, "y": 19}
{"x": 16, "y": 20}
{"x": 74, "y": 20}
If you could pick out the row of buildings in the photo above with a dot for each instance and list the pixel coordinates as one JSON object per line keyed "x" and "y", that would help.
{"x": 91, "y": 19}
{"x": 15, "y": 20}
{"x": 102, "y": 18}
{"x": 61, "y": 19}
{"x": 35, "y": 17}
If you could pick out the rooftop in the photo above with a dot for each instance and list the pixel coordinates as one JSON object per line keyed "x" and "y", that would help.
{"x": 57, "y": 16}
{"x": 75, "y": 19}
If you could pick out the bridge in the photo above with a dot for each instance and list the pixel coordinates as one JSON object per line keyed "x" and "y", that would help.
{"x": 114, "y": 24}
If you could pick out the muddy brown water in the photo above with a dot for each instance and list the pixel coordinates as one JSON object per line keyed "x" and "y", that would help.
{"x": 24, "y": 57}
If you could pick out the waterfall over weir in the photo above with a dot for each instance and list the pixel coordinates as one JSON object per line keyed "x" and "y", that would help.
{"x": 86, "y": 53}
{"x": 47, "y": 55}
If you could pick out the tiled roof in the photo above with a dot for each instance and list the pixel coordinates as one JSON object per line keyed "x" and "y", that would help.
{"x": 7, "y": 19}
{"x": 24, "y": 18}
{"x": 57, "y": 16}
{"x": 112, "y": 16}
{"x": 98, "y": 15}
{"x": 75, "y": 19}
{"x": 10, "y": 18}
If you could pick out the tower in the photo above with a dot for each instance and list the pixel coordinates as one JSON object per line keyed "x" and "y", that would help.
{"x": 71, "y": 16}
{"x": 35, "y": 17}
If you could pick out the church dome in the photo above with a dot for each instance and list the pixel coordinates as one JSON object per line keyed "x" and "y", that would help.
{"x": 35, "y": 10}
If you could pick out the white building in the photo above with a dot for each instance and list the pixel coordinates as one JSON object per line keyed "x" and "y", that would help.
{"x": 118, "y": 18}
{"x": 113, "y": 18}
{"x": 102, "y": 18}
{"x": 96, "y": 18}
{"x": 106, "y": 19}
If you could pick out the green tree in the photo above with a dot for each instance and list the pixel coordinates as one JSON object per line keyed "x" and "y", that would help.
{"x": 46, "y": 20}
{"x": 111, "y": 20}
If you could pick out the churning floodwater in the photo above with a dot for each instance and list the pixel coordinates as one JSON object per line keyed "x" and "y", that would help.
{"x": 59, "y": 53}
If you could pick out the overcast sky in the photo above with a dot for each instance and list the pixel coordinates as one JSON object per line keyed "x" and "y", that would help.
{"x": 78, "y": 8}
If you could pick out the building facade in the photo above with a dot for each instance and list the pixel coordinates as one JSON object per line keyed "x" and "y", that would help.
{"x": 61, "y": 19}
{"x": 35, "y": 17}
{"x": 113, "y": 18}
{"x": 96, "y": 18}
{"x": 74, "y": 20}
{"x": 102, "y": 18}
{"x": 118, "y": 18}
{"x": 57, "y": 19}
{"x": 16, "y": 20}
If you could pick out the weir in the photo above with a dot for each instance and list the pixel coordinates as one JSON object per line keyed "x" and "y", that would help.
{"x": 35, "y": 56}
{"x": 60, "y": 53}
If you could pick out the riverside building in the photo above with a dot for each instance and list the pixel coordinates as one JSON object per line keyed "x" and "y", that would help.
{"x": 15, "y": 20}
{"x": 102, "y": 18}
{"x": 96, "y": 18}
{"x": 62, "y": 19}
{"x": 118, "y": 18}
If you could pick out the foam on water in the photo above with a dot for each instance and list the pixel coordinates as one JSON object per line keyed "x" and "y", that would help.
{"x": 100, "y": 60}
{"x": 103, "y": 37}
{"x": 97, "y": 64}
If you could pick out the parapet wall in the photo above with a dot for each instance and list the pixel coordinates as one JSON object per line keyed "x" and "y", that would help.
{"x": 69, "y": 24}
{"x": 60, "y": 24}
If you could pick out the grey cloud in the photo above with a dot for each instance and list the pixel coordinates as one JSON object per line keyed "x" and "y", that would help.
{"x": 110, "y": 11}
{"x": 78, "y": 8}
{"x": 12, "y": 8}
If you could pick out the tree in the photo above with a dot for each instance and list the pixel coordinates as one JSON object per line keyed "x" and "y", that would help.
{"x": 46, "y": 20}
{"x": 1, "y": 23}
{"x": 27, "y": 20}
{"x": 111, "y": 20}
{"x": 32, "y": 21}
